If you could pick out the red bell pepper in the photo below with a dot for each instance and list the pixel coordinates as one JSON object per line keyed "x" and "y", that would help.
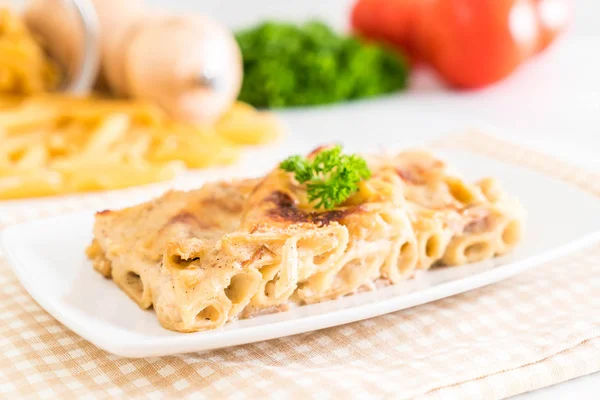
{"x": 471, "y": 43}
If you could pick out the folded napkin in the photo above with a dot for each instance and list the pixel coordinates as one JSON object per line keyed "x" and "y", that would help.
{"x": 536, "y": 329}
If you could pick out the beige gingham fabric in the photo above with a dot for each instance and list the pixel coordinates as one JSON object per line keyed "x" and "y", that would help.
{"x": 536, "y": 329}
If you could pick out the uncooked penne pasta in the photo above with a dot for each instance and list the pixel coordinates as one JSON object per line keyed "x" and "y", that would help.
{"x": 98, "y": 144}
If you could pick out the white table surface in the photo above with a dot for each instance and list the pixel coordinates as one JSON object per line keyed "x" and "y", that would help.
{"x": 551, "y": 104}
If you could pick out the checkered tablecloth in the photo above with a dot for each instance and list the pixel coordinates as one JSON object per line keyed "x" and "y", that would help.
{"x": 533, "y": 330}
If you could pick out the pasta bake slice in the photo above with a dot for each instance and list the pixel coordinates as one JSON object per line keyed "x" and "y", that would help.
{"x": 245, "y": 248}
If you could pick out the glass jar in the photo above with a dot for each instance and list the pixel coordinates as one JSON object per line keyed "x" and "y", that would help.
{"x": 70, "y": 32}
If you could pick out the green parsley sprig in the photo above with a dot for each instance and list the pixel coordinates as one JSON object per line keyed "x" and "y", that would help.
{"x": 290, "y": 65}
{"x": 331, "y": 177}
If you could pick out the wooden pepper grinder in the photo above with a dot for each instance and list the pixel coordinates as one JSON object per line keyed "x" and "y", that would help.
{"x": 188, "y": 64}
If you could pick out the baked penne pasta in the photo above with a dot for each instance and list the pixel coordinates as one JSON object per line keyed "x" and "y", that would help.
{"x": 433, "y": 234}
{"x": 245, "y": 248}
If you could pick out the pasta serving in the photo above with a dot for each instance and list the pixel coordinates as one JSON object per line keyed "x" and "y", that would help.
{"x": 24, "y": 67}
{"x": 238, "y": 249}
{"x": 54, "y": 144}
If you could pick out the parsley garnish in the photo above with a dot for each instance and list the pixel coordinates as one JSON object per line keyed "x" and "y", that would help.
{"x": 288, "y": 65}
{"x": 331, "y": 177}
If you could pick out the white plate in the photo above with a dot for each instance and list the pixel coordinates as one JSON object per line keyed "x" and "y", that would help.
{"x": 48, "y": 258}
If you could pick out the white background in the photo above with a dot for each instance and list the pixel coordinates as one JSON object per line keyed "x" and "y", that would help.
{"x": 552, "y": 104}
